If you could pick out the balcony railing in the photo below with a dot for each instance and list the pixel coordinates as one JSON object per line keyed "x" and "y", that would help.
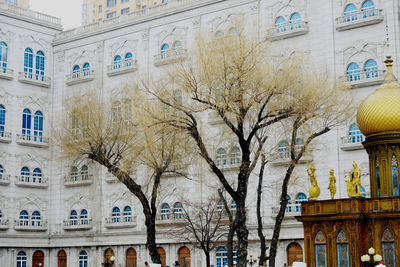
{"x": 34, "y": 79}
{"x": 5, "y": 137}
{"x": 352, "y": 142}
{"x": 78, "y": 180}
{"x": 4, "y": 224}
{"x": 170, "y": 218}
{"x": 78, "y": 224}
{"x": 121, "y": 222}
{"x": 291, "y": 210}
{"x": 121, "y": 67}
{"x": 170, "y": 56}
{"x": 4, "y": 179}
{"x": 288, "y": 30}
{"x": 80, "y": 77}
{"x": 30, "y": 225}
{"x": 32, "y": 140}
{"x": 5, "y": 72}
{"x": 31, "y": 181}
{"x": 283, "y": 157}
{"x": 365, "y": 78}
{"x": 359, "y": 19}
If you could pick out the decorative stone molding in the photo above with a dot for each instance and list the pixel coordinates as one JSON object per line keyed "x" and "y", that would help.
{"x": 226, "y": 22}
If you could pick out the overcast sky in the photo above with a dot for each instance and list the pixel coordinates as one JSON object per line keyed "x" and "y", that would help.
{"x": 69, "y": 11}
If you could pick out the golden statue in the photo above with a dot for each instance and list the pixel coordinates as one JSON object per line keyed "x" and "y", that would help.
{"x": 314, "y": 189}
{"x": 354, "y": 182}
{"x": 332, "y": 184}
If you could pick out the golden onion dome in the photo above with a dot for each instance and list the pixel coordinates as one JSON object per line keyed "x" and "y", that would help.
{"x": 380, "y": 111}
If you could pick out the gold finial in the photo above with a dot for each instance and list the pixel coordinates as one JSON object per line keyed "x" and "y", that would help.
{"x": 314, "y": 189}
{"x": 389, "y": 76}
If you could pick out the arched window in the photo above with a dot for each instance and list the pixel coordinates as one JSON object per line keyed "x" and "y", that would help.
{"x": 3, "y": 56}
{"x": 83, "y": 259}
{"x": 26, "y": 124}
{"x": 235, "y": 155}
{"x": 221, "y": 157}
{"x": 165, "y": 211}
{"x": 73, "y": 216}
{"x": 163, "y": 256}
{"x": 128, "y": 59}
{"x": 233, "y": 31}
{"x": 320, "y": 249}
{"x": 2, "y": 120}
{"x": 23, "y": 218}
{"x": 298, "y": 146}
{"x": 116, "y": 215}
{"x": 28, "y": 63}
{"x": 76, "y": 71}
{"x": 367, "y": 5}
{"x": 37, "y": 176}
{"x": 222, "y": 257}
{"x": 220, "y": 205}
{"x": 1, "y": 172}
{"x": 84, "y": 173}
{"x": 62, "y": 258}
{"x": 300, "y": 198}
{"x": 131, "y": 257}
{"x": 40, "y": 66}
{"x": 178, "y": 210}
{"x": 117, "y": 62}
{"x": 38, "y": 126}
{"x": 289, "y": 204}
{"x": 219, "y": 34}
{"x": 36, "y": 218}
{"x": 350, "y": 9}
{"x": 283, "y": 149}
{"x": 293, "y": 20}
{"x": 74, "y": 173}
{"x": 164, "y": 51}
{"x": 377, "y": 178}
{"x": 355, "y": 134}
{"x": 116, "y": 112}
{"x": 177, "y": 47}
{"x": 388, "y": 249}
{"x": 370, "y": 69}
{"x": 395, "y": 176}
{"x": 21, "y": 259}
{"x": 86, "y": 69}
{"x": 233, "y": 205}
{"x": 84, "y": 217}
{"x": 280, "y": 24}
{"x": 25, "y": 175}
{"x": 294, "y": 253}
{"x": 353, "y": 72}
{"x": 342, "y": 246}
{"x": 127, "y": 214}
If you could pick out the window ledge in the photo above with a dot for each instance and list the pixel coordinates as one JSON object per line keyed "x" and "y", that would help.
{"x": 75, "y": 78}
{"x": 359, "y": 19}
{"x": 70, "y": 181}
{"x": 4, "y": 224}
{"x": 111, "y": 179}
{"x": 6, "y": 73}
{"x": 121, "y": 68}
{"x": 352, "y": 142}
{"x": 77, "y": 224}
{"x": 363, "y": 79}
{"x": 20, "y": 181}
{"x": 5, "y": 137}
{"x": 20, "y": 226}
{"x": 32, "y": 140}
{"x": 230, "y": 167}
{"x": 170, "y": 221}
{"x": 5, "y": 179}
{"x": 31, "y": 78}
{"x": 170, "y": 57}
{"x": 288, "y": 30}
{"x": 288, "y": 214}
{"x": 110, "y": 224}
{"x": 282, "y": 160}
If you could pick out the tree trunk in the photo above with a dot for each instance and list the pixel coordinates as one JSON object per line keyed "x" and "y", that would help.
{"x": 263, "y": 246}
{"x": 229, "y": 244}
{"x": 151, "y": 239}
{"x": 208, "y": 261}
{"x": 242, "y": 232}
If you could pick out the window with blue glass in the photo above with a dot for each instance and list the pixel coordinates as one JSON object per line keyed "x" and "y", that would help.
{"x": 283, "y": 149}
{"x": 3, "y": 56}
{"x": 164, "y": 51}
{"x": 73, "y": 217}
{"x": 363, "y": 191}
{"x": 12, "y": 2}
{"x": 28, "y": 63}
{"x": 84, "y": 217}
{"x": 74, "y": 173}
{"x": 83, "y": 259}
{"x": 1, "y": 216}
{"x": 280, "y": 24}
{"x": 368, "y": 6}
{"x": 220, "y": 205}
{"x": 117, "y": 62}
{"x": 355, "y": 134}
{"x": 235, "y": 155}
{"x": 36, "y": 218}
{"x": 2, "y": 120}
{"x": 219, "y": 34}
{"x": 76, "y": 71}
{"x": 38, "y": 126}
{"x": 111, "y": 3}
{"x": 370, "y": 69}
{"x": 26, "y": 124}
{"x": 1, "y": 171}
{"x": 353, "y": 72}
{"x": 25, "y": 174}
{"x": 84, "y": 173}
{"x": 349, "y": 12}
{"x": 178, "y": 210}
{"x": 395, "y": 176}
{"x": 86, "y": 69}
{"x": 128, "y": 59}
{"x": 342, "y": 246}
{"x": 23, "y": 218}
{"x": 233, "y": 205}
{"x": 293, "y": 21}
{"x": 127, "y": 214}
{"x": 177, "y": 47}
{"x": 40, "y": 66}
{"x": 289, "y": 204}
{"x": 37, "y": 175}
{"x": 116, "y": 215}
{"x": 21, "y": 259}
{"x": 222, "y": 257}
{"x": 388, "y": 249}
{"x": 233, "y": 31}
{"x": 377, "y": 177}
{"x": 221, "y": 157}
{"x": 165, "y": 211}
{"x": 300, "y": 198}
{"x": 320, "y": 250}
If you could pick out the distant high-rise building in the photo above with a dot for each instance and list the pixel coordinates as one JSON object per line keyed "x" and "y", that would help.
{"x": 95, "y": 10}
{"x": 19, "y": 3}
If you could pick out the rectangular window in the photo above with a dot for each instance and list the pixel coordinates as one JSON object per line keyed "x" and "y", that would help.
{"x": 12, "y": 2}
{"x": 144, "y": 6}
{"x": 125, "y": 11}
{"x": 111, "y": 3}
{"x": 84, "y": 15}
{"x": 111, "y": 15}
{"x": 124, "y": 1}
{"x": 84, "y": 7}
{"x": 100, "y": 8}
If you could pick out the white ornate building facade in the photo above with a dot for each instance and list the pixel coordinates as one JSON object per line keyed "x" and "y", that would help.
{"x": 54, "y": 213}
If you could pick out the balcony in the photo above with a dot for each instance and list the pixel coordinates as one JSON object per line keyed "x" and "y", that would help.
{"x": 352, "y": 142}
{"x": 80, "y": 77}
{"x": 288, "y": 30}
{"x": 30, "y": 225}
{"x": 365, "y": 78}
{"x": 5, "y": 137}
{"x": 4, "y": 179}
{"x": 5, "y": 73}
{"x": 170, "y": 56}
{"x": 283, "y": 158}
{"x": 73, "y": 180}
{"x": 34, "y": 79}
{"x": 31, "y": 181}
{"x": 32, "y": 140}
{"x": 120, "y": 222}
{"x": 291, "y": 210}
{"x": 77, "y": 224}
{"x": 168, "y": 219}
{"x": 122, "y": 67}
{"x": 3, "y": 224}
{"x": 359, "y": 19}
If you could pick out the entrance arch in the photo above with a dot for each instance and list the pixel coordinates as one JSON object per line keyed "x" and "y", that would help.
{"x": 38, "y": 259}
{"x": 294, "y": 253}
{"x": 62, "y": 259}
{"x": 163, "y": 256}
{"x": 184, "y": 256}
{"x": 107, "y": 256}
{"x": 131, "y": 260}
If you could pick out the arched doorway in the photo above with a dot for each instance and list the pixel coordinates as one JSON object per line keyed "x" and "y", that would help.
{"x": 38, "y": 259}
{"x": 163, "y": 256}
{"x": 62, "y": 259}
{"x": 294, "y": 253}
{"x": 184, "y": 257}
{"x": 131, "y": 257}
{"x": 107, "y": 257}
